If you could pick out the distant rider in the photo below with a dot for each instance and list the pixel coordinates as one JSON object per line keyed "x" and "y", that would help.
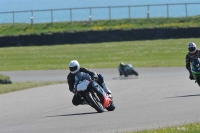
{"x": 74, "y": 68}
{"x": 192, "y": 53}
{"x": 121, "y": 68}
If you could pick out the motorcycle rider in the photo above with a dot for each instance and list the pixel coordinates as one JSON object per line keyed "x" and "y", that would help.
{"x": 74, "y": 68}
{"x": 192, "y": 53}
{"x": 121, "y": 68}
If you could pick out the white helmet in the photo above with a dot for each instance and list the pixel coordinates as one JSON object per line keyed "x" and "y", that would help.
{"x": 74, "y": 66}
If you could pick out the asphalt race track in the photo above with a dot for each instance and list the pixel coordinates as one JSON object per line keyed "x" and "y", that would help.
{"x": 158, "y": 97}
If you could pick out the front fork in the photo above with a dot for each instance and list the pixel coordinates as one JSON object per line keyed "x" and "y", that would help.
{"x": 105, "y": 100}
{"x": 98, "y": 89}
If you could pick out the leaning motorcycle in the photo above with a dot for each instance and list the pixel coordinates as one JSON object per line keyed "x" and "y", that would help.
{"x": 196, "y": 70}
{"x": 128, "y": 70}
{"x": 93, "y": 93}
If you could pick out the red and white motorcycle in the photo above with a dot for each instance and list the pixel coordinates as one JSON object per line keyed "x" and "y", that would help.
{"x": 93, "y": 93}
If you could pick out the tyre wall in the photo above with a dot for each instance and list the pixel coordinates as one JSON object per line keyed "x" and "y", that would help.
{"x": 99, "y": 36}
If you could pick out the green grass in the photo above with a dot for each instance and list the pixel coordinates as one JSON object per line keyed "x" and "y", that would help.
{"x": 124, "y": 24}
{"x": 186, "y": 128}
{"x": 149, "y": 53}
{"x": 16, "y": 86}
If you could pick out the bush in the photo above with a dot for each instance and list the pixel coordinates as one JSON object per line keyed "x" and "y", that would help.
{"x": 5, "y": 79}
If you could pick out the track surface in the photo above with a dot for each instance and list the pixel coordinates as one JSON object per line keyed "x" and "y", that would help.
{"x": 157, "y": 97}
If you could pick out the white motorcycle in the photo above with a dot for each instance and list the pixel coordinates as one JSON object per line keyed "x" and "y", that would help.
{"x": 93, "y": 93}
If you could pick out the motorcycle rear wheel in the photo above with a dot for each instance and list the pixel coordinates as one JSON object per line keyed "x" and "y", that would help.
{"x": 125, "y": 74}
{"x": 95, "y": 102}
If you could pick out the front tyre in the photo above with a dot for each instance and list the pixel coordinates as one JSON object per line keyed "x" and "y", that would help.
{"x": 135, "y": 73}
{"x": 111, "y": 107}
{"x": 120, "y": 73}
{"x": 95, "y": 102}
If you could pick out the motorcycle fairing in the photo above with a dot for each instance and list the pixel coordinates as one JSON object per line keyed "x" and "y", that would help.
{"x": 196, "y": 66}
{"x": 82, "y": 86}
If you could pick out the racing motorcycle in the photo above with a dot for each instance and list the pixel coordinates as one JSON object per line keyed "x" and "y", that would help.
{"x": 196, "y": 70}
{"x": 128, "y": 70}
{"x": 93, "y": 93}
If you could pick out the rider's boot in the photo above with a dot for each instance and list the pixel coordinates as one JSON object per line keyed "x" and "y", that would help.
{"x": 83, "y": 102}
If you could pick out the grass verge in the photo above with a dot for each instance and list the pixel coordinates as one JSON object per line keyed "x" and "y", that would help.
{"x": 186, "y": 128}
{"x": 16, "y": 86}
{"x": 100, "y": 25}
{"x": 149, "y": 53}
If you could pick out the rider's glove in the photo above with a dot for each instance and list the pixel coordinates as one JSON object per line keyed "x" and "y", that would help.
{"x": 191, "y": 77}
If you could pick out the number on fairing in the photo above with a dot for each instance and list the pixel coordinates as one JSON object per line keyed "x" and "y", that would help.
{"x": 83, "y": 85}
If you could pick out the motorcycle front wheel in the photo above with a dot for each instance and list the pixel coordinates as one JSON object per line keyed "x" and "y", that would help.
{"x": 135, "y": 73}
{"x": 95, "y": 102}
{"x": 111, "y": 107}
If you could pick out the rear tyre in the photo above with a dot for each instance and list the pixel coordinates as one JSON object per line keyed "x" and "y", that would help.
{"x": 125, "y": 74}
{"x": 120, "y": 73}
{"x": 111, "y": 107}
{"x": 95, "y": 102}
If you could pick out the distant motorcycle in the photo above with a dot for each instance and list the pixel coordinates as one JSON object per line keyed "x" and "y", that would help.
{"x": 127, "y": 70}
{"x": 93, "y": 93}
{"x": 196, "y": 70}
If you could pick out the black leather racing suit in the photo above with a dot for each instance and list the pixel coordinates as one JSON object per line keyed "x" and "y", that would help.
{"x": 189, "y": 58}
